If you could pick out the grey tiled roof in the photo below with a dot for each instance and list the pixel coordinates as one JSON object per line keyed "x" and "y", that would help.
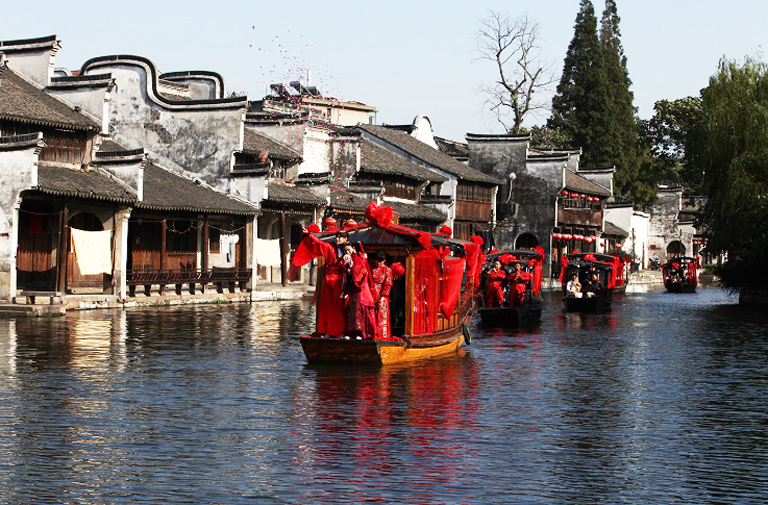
{"x": 255, "y": 142}
{"x": 575, "y": 182}
{"x": 452, "y": 148}
{"x": 346, "y": 200}
{"x": 92, "y": 184}
{"x": 278, "y": 191}
{"x": 415, "y": 212}
{"x": 23, "y": 102}
{"x": 166, "y": 191}
{"x": 612, "y": 229}
{"x": 429, "y": 155}
{"x": 378, "y": 160}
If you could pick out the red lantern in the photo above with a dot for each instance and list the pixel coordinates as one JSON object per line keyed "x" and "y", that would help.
{"x": 565, "y": 192}
{"x": 583, "y": 196}
{"x": 574, "y": 195}
{"x": 567, "y": 236}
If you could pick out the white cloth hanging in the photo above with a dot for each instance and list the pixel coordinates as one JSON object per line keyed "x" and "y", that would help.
{"x": 92, "y": 250}
{"x": 227, "y": 244}
{"x": 268, "y": 252}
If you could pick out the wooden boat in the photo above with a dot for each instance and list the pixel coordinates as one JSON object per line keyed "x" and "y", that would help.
{"x": 431, "y": 303}
{"x": 593, "y": 296}
{"x": 510, "y": 314}
{"x": 680, "y": 274}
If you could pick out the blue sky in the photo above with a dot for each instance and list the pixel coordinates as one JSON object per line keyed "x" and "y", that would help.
{"x": 403, "y": 57}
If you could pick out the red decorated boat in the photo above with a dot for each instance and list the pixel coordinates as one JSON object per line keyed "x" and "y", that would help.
{"x": 681, "y": 274}
{"x": 510, "y": 288}
{"x": 589, "y": 280}
{"x": 430, "y": 298}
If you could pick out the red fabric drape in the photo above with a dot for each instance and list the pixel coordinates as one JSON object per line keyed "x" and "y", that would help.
{"x": 426, "y": 284}
{"x": 330, "y": 307}
{"x": 563, "y": 266}
{"x": 450, "y": 288}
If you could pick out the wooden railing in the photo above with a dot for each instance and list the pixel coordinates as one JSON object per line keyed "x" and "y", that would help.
{"x": 583, "y": 217}
{"x": 222, "y": 278}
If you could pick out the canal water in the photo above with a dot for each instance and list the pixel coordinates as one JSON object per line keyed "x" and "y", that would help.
{"x": 663, "y": 400}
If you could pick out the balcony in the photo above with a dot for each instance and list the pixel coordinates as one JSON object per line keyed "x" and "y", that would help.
{"x": 579, "y": 217}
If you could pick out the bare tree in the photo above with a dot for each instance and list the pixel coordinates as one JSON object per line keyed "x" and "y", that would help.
{"x": 512, "y": 45}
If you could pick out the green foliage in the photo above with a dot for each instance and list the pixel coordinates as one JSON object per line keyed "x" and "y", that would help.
{"x": 732, "y": 150}
{"x": 546, "y": 138}
{"x": 671, "y": 136}
{"x": 580, "y": 106}
{"x": 593, "y": 107}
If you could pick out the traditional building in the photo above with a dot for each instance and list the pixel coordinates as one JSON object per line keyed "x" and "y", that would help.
{"x": 545, "y": 198}
{"x": 84, "y": 215}
{"x": 672, "y": 229}
{"x": 467, "y": 196}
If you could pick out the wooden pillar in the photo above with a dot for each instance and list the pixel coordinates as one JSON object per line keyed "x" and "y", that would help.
{"x": 63, "y": 260}
{"x": 163, "y": 245}
{"x": 283, "y": 249}
{"x": 410, "y": 275}
{"x": 204, "y": 259}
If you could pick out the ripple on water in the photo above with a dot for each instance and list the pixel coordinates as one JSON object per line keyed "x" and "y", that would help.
{"x": 663, "y": 400}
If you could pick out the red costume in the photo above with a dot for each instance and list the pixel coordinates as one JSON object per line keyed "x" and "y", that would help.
{"x": 519, "y": 281}
{"x": 382, "y": 284}
{"x": 360, "y": 313}
{"x": 494, "y": 289}
{"x": 330, "y": 306}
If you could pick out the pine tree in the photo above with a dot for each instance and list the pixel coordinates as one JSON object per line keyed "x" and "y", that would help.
{"x": 580, "y": 106}
{"x": 624, "y": 147}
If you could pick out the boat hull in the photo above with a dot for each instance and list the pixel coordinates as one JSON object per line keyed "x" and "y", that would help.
{"x": 679, "y": 287}
{"x": 510, "y": 316}
{"x": 593, "y": 304}
{"x": 376, "y": 352}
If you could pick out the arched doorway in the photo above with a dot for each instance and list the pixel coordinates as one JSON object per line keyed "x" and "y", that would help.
{"x": 526, "y": 241}
{"x": 675, "y": 248}
{"x": 78, "y": 282}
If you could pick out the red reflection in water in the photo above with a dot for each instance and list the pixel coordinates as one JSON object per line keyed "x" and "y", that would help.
{"x": 374, "y": 414}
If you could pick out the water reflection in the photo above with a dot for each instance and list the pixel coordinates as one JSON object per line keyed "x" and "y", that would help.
{"x": 662, "y": 400}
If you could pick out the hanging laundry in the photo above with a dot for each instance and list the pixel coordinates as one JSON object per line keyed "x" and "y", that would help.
{"x": 227, "y": 243}
{"x": 268, "y": 252}
{"x": 92, "y": 250}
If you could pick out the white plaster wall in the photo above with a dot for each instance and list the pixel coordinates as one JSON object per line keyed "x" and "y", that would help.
{"x": 252, "y": 189}
{"x": 35, "y": 66}
{"x": 19, "y": 172}
{"x": 620, "y": 216}
{"x": 316, "y": 151}
{"x": 637, "y": 241}
{"x": 89, "y": 99}
{"x": 199, "y": 142}
{"x": 605, "y": 180}
{"x": 423, "y": 131}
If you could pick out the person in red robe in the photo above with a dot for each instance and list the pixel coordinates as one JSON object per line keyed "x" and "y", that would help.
{"x": 518, "y": 284}
{"x": 330, "y": 306}
{"x": 382, "y": 285}
{"x": 494, "y": 287}
{"x": 360, "y": 314}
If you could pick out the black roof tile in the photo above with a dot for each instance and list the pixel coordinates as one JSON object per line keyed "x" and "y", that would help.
{"x": 166, "y": 191}
{"x": 428, "y": 154}
{"x": 24, "y": 102}
{"x": 378, "y": 160}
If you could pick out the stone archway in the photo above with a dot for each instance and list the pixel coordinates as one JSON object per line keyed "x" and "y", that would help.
{"x": 675, "y": 248}
{"x": 526, "y": 241}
